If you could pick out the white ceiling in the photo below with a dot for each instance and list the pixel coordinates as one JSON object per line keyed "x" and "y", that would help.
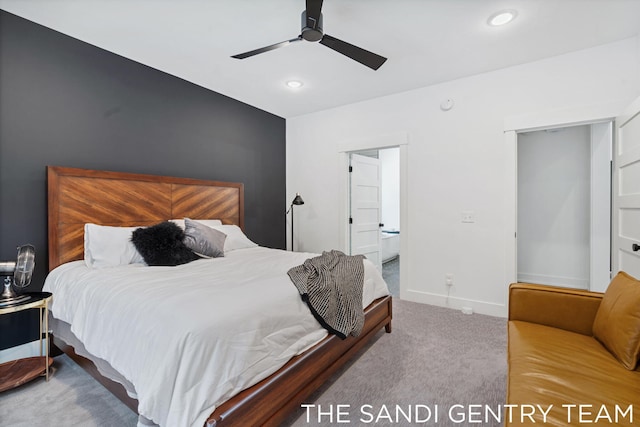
{"x": 426, "y": 41}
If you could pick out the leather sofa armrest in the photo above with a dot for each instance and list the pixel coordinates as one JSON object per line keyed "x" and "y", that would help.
{"x": 565, "y": 308}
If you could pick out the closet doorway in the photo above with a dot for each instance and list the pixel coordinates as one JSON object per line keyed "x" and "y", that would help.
{"x": 564, "y": 206}
{"x": 374, "y": 210}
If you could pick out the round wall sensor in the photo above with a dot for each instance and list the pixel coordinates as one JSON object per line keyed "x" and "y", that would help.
{"x": 447, "y": 104}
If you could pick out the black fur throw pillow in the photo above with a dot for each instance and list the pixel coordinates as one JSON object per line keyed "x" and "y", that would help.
{"x": 161, "y": 244}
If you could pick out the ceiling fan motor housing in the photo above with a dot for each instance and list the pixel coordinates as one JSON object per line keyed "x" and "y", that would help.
{"x": 311, "y": 29}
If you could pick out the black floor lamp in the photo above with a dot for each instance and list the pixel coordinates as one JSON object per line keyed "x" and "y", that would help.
{"x": 296, "y": 201}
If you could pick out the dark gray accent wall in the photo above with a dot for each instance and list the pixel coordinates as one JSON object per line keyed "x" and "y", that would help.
{"x": 64, "y": 102}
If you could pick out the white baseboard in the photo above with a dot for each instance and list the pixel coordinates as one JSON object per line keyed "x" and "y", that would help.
{"x": 481, "y": 307}
{"x": 542, "y": 279}
{"x": 30, "y": 349}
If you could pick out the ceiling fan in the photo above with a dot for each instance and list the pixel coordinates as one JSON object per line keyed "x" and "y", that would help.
{"x": 312, "y": 32}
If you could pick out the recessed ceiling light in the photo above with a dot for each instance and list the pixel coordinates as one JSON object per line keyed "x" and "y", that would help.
{"x": 502, "y": 17}
{"x": 294, "y": 84}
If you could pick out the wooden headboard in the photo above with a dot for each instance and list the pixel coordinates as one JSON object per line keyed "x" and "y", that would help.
{"x": 79, "y": 196}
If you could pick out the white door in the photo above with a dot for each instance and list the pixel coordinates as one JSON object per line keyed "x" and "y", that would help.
{"x": 626, "y": 193}
{"x": 365, "y": 207}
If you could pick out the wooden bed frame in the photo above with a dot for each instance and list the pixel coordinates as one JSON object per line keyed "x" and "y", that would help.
{"x": 79, "y": 196}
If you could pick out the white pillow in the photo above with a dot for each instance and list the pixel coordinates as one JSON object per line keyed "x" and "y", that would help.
{"x": 208, "y": 222}
{"x": 236, "y": 239}
{"x": 178, "y": 222}
{"x": 106, "y": 246}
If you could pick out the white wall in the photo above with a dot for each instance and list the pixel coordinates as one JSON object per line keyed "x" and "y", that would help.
{"x": 390, "y": 177}
{"x": 554, "y": 206}
{"x": 456, "y": 161}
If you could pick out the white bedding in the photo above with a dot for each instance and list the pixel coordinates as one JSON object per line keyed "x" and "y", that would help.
{"x": 170, "y": 330}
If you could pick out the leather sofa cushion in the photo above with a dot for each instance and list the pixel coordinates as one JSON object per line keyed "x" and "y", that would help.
{"x": 565, "y": 308}
{"x": 617, "y": 322}
{"x": 551, "y": 366}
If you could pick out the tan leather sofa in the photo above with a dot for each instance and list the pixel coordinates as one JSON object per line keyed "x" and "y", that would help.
{"x": 556, "y": 364}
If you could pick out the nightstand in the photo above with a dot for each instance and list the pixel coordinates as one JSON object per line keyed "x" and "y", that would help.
{"x": 18, "y": 372}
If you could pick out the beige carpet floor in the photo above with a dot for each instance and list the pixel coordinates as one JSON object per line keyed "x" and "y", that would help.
{"x": 435, "y": 357}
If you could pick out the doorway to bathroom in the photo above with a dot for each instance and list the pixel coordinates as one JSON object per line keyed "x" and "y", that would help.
{"x": 374, "y": 210}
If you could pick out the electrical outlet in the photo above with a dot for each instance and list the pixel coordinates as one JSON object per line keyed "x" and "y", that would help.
{"x": 468, "y": 217}
{"x": 448, "y": 279}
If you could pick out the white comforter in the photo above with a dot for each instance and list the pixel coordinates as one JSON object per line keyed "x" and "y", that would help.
{"x": 192, "y": 336}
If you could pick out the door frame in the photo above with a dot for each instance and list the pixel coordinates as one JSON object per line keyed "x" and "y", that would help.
{"x": 379, "y": 142}
{"x": 532, "y": 122}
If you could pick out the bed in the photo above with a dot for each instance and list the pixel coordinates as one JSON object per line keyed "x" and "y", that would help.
{"x": 78, "y": 196}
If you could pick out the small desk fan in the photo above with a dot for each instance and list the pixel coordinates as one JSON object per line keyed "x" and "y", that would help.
{"x": 17, "y": 273}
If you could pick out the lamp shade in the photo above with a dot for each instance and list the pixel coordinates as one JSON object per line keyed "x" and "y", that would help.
{"x": 297, "y": 200}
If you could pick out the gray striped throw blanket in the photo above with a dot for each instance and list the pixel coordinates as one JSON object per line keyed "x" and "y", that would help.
{"x": 331, "y": 285}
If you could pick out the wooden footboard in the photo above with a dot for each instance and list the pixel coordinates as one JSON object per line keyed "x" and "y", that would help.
{"x": 272, "y": 400}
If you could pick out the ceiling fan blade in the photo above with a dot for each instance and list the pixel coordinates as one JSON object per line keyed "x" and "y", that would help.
{"x": 266, "y": 48}
{"x": 314, "y": 9}
{"x": 356, "y": 53}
